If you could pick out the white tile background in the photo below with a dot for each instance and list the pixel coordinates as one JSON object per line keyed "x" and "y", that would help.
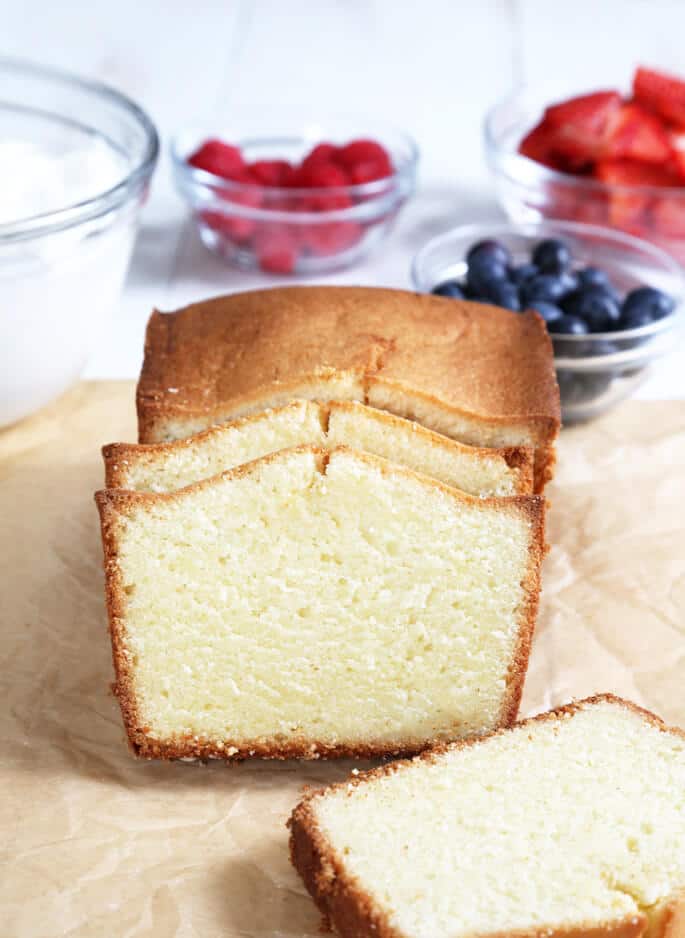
{"x": 432, "y": 67}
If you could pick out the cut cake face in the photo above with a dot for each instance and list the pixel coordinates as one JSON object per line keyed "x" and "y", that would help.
{"x": 317, "y": 604}
{"x": 165, "y": 467}
{"x": 572, "y": 823}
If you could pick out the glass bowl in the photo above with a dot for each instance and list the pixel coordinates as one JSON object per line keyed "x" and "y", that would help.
{"x": 298, "y": 231}
{"x": 597, "y": 370}
{"x": 529, "y": 191}
{"x": 61, "y": 271}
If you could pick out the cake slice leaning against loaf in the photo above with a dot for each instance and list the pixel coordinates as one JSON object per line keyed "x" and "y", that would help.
{"x": 475, "y": 373}
{"x": 164, "y": 467}
{"x": 572, "y": 823}
{"x": 317, "y": 603}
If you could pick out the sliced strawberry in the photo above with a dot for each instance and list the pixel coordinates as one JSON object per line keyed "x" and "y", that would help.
{"x": 634, "y": 173}
{"x": 271, "y": 172}
{"x": 538, "y": 145}
{"x": 579, "y": 125}
{"x": 627, "y": 209}
{"x": 664, "y": 94}
{"x": 635, "y": 133}
{"x": 677, "y": 140}
{"x": 219, "y": 158}
{"x": 669, "y": 216}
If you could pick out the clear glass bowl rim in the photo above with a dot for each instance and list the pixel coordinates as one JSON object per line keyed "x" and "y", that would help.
{"x": 79, "y": 212}
{"x": 544, "y": 173}
{"x": 200, "y": 177}
{"x": 549, "y": 228}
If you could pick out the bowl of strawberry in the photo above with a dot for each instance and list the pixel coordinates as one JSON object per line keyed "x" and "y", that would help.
{"x": 613, "y": 304}
{"x": 298, "y": 202}
{"x": 603, "y": 157}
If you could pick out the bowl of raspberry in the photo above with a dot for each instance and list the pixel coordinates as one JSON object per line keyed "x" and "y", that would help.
{"x": 299, "y": 201}
{"x": 603, "y": 157}
{"x": 613, "y": 304}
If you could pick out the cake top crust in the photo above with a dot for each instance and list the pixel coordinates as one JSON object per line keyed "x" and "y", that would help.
{"x": 477, "y": 358}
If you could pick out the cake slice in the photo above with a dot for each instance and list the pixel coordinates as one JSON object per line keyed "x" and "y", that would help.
{"x": 317, "y": 603}
{"x": 476, "y": 373}
{"x": 164, "y": 467}
{"x": 572, "y": 823}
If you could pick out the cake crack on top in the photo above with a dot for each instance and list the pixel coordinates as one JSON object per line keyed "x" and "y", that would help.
{"x": 478, "y": 374}
{"x": 168, "y": 466}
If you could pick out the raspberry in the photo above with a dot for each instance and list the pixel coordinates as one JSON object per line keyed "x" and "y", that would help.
{"x": 271, "y": 172}
{"x": 366, "y": 159}
{"x": 330, "y": 237}
{"x": 326, "y": 202}
{"x": 218, "y": 158}
{"x": 321, "y": 176}
{"x": 276, "y": 247}
{"x": 230, "y": 224}
{"x": 322, "y": 153}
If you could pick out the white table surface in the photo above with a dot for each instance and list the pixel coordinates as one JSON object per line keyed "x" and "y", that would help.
{"x": 432, "y": 68}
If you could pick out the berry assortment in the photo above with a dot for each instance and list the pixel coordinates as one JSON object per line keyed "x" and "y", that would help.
{"x": 571, "y": 301}
{"x": 322, "y": 182}
{"x": 624, "y": 142}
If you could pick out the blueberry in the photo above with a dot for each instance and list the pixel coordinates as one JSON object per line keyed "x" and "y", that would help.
{"x": 570, "y": 281}
{"x": 491, "y": 249}
{"x": 657, "y": 303}
{"x": 635, "y": 318}
{"x": 519, "y": 275}
{"x": 483, "y": 272}
{"x": 547, "y": 287}
{"x": 592, "y": 277}
{"x": 449, "y": 288}
{"x": 552, "y": 256}
{"x": 503, "y": 293}
{"x": 596, "y": 306}
{"x": 569, "y": 325}
{"x": 548, "y": 311}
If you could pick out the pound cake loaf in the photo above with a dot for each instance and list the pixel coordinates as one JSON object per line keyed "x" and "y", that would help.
{"x": 572, "y": 823}
{"x": 164, "y": 467}
{"x": 475, "y": 373}
{"x": 317, "y": 603}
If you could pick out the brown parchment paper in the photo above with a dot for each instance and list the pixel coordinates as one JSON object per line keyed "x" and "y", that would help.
{"x": 95, "y": 843}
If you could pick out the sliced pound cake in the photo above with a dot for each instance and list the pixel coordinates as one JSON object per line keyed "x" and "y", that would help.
{"x": 317, "y": 603}
{"x": 164, "y": 467}
{"x": 572, "y": 823}
{"x": 478, "y": 374}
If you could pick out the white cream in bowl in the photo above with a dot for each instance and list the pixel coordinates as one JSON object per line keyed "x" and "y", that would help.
{"x": 56, "y": 287}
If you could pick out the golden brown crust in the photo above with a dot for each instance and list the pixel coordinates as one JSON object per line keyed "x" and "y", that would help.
{"x": 669, "y": 922}
{"x": 116, "y": 455}
{"x": 344, "y": 902}
{"x": 223, "y": 357}
{"x": 113, "y": 503}
{"x": 528, "y": 615}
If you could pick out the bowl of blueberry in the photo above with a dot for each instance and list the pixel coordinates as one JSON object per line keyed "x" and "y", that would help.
{"x": 613, "y": 303}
